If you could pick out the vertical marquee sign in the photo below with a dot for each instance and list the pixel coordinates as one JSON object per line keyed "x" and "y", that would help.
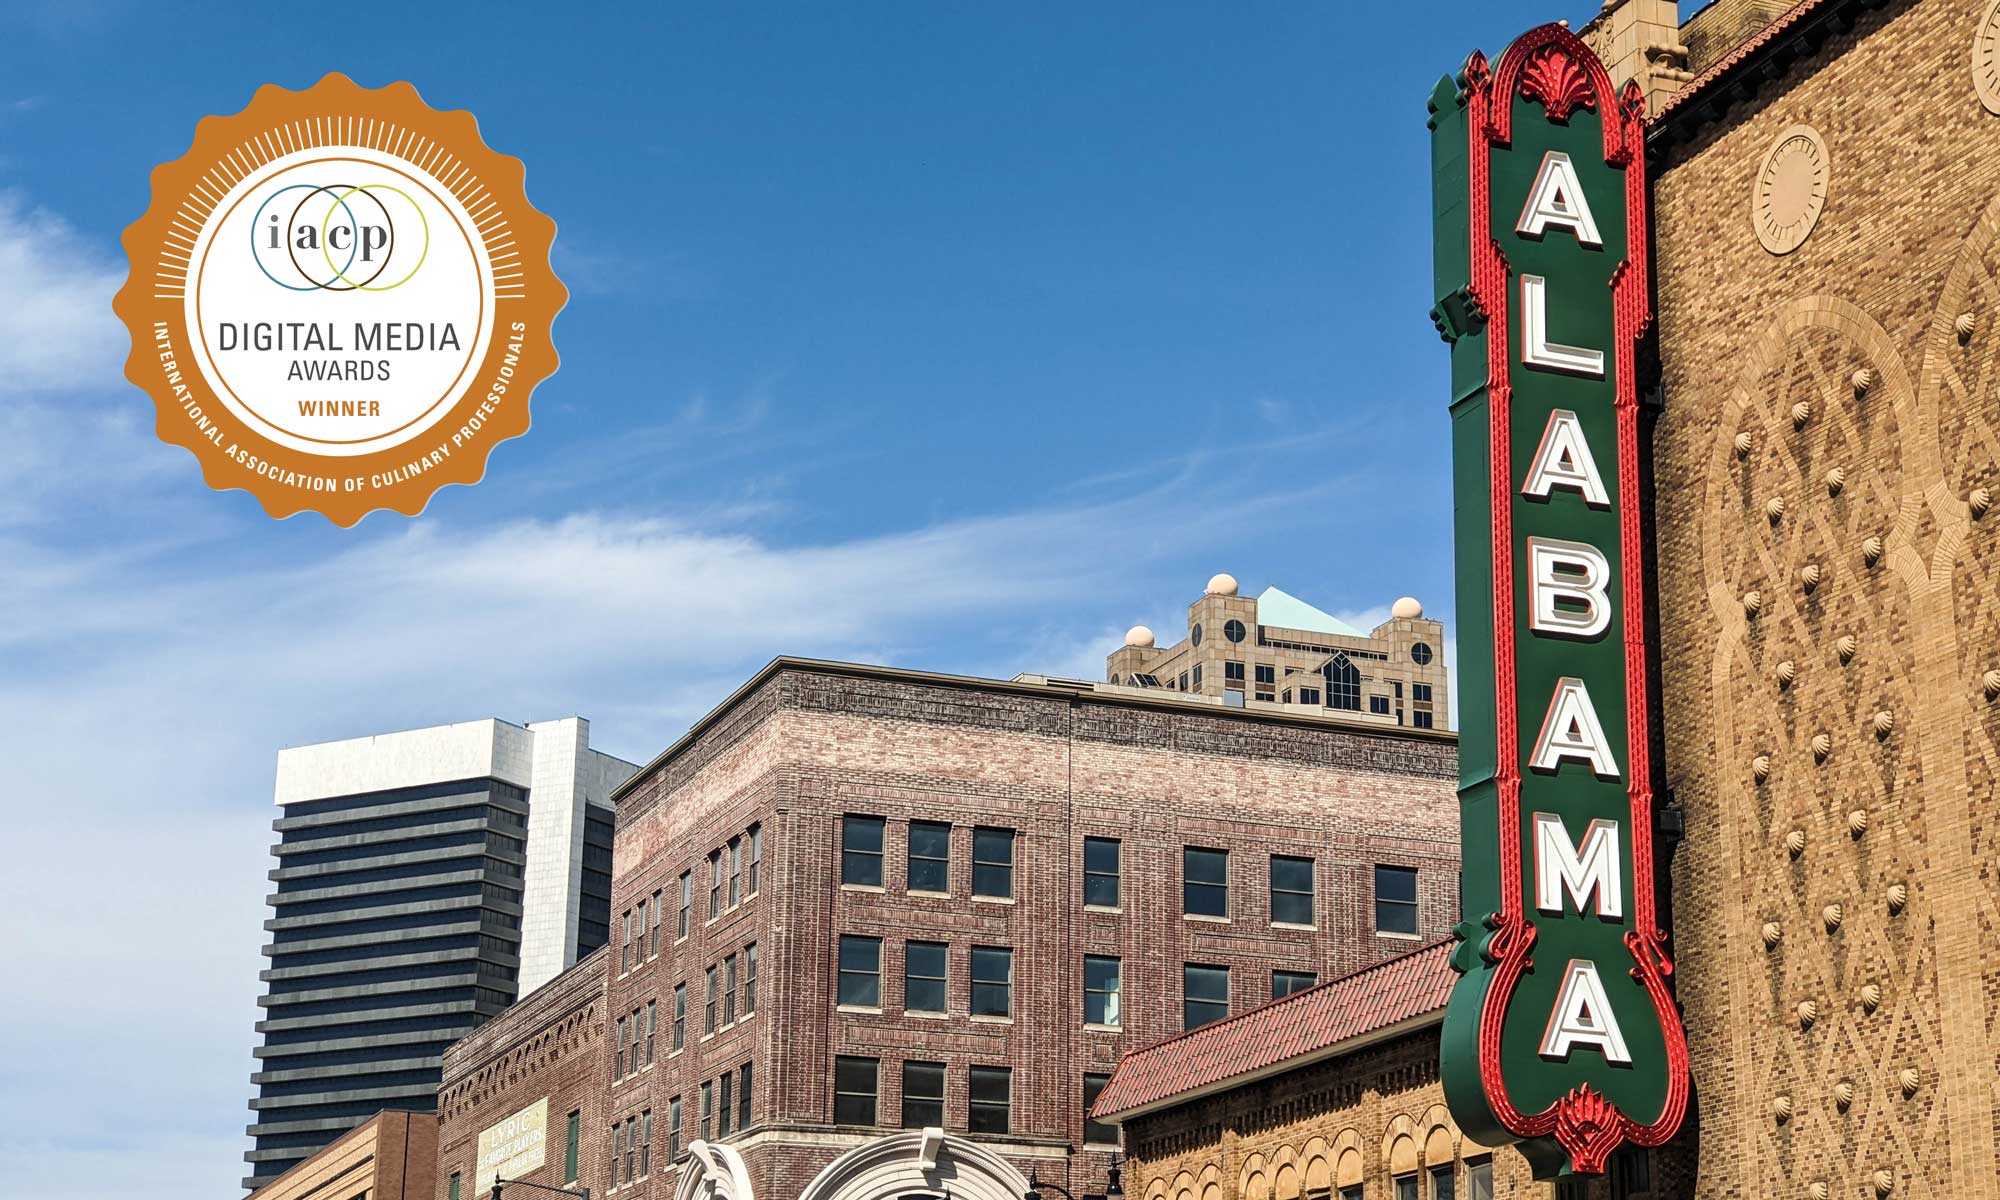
{"x": 1562, "y": 1034}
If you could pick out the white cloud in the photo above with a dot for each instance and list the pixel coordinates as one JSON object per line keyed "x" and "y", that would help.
{"x": 56, "y": 322}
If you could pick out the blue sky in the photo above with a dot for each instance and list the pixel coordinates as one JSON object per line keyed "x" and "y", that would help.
{"x": 947, "y": 336}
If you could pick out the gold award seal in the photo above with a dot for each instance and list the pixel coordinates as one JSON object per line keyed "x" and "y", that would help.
{"x": 340, "y": 300}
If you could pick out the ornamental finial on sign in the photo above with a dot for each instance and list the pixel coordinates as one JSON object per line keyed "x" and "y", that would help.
{"x": 1554, "y": 79}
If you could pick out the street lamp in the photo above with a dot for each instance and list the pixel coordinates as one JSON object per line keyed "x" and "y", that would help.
{"x": 580, "y": 1193}
{"x": 1114, "y": 1188}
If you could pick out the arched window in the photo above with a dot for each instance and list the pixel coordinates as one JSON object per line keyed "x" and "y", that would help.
{"x": 1343, "y": 684}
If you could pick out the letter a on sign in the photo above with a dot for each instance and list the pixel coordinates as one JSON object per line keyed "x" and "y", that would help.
{"x": 1557, "y": 200}
{"x": 1582, "y": 1016}
{"x": 1563, "y": 460}
{"x": 1572, "y": 730}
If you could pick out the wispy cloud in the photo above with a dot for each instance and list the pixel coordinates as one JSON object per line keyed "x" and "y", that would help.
{"x": 56, "y": 324}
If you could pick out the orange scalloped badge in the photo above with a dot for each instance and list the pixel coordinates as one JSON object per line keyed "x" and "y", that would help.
{"x": 340, "y": 300}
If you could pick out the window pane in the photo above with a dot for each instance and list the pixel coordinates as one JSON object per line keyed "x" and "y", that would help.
{"x": 1205, "y": 994}
{"x": 1396, "y": 899}
{"x": 1284, "y": 983}
{"x": 861, "y": 851}
{"x": 992, "y": 981}
{"x": 924, "y": 977}
{"x": 1100, "y": 990}
{"x": 1479, "y": 1179}
{"x": 854, "y": 1090}
{"x": 861, "y": 971}
{"x": 1291, "y": 889}
{"x": 930, "y": 856}
{"x": 743, "y": 1097}
{"x": 990, "y": 1092}
{"x": 1100, "y": 872}
{"x": 993, "y": 863}
{"x": 1406, "y": 1187}
{"x": 1205, "y": 882}
{"x": 1444, "y": 1183}
{"x": 1096, "y": 1133}
{"x": 923, "y": 1094}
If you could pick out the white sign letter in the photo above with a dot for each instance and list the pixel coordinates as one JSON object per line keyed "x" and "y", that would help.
{"x": 1571, "y": 730}
{"x": 1557, "y": 200}
{"x": 1559, "y": 864}
{"x": 1563, "y": 460}
{"x": 1582, "y": 1016}
{"x": 1538, "y": 350}
{"x": 1576, "y": 572}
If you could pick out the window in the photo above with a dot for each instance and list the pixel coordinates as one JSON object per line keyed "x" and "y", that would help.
{"x": 993, "y": 863}
{"x": 674, "y": 1129}
{"x": 680, "y": 1015}
{"x": 571, "y": 1144}
{"x": 1420, "y": 654}
{"x": 1631, "y": 1175}
{"x": 735, "y": 871}
{"x": 687, "y": 902}
{"x": 1183, "y": 682}
{"x": 1406, "y": 1187}
{"x": 625, "y": 942}
{"x": 1395, "y": 900}
{"x": 923, "y": 1094}
{"x": 930, "y": 856}
{"x": 861, "y": 851}
{"x": 990, "y": 1099}
{"x": 1343, "y": 683}
{"x": 1351, "y": 1192}
{"x": 631, "y": 1149}
{"x": 1096, "y": 1133}
{"x": 1267, "y": 674}
{"x": 645, "y": 1143}
{"x": 708, "y": 1007}
{"x": 723, "y": 1107}
{"x": 653, "y": 949}
{"x": 1284, "y": 983}
{"x": 1100, "y": 990}
{"x": 1291, "y": 890}
{"x": 1194, "y": 633}
{"x": 1444, "y": 1182}
{"x": 1308, "y": 695}
{"x": 992, "y": 982}
{"x": 1379, "y": 705}
{"x": 860, "y": 971}
{"x": 452, "y": 1193}
{"x": 854, "y": 1090}
{"x": 729, "y": 990}
{"x": 755, "y": 882}
{"x": 707, "y": 1112}
{"x": 639, "y": 952}
{"x": 1204, "y": 882}
{"x": 618, "y": 1054}
{"x": 617, "y": 1152}
{"x": 1204, "y": 995}
{"x": 1479, "y": 1179}
{"x": 1232, "y": 672}
{"x": 714, "y": 884}
{"x": 1100, "y": 872}
{"x": 1197, "y": 677}
{"x": 1420, "y": 693}
{"x": 1423, "y": 720}
{"x": 743, "y": 1096}
{"x": 652, "y": 1021}
{"x": 750, "y": 979}
{"x": 1234, "y": 631}
{"x": 923, "y": 977}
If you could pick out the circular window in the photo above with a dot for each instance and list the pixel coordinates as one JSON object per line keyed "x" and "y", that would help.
{"x": 1234, "y": 631}
{"x": 1194, "y": 634}
{"x": 1420, "y": 654}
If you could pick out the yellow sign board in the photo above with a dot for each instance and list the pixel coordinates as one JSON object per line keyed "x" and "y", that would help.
{"x": 511, "y": 1148}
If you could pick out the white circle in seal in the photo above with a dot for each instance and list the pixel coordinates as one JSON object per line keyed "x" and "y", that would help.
{"x": 1790, "y": 189}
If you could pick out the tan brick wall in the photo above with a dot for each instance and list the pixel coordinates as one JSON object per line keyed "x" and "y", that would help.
{"x": 1860, "y": 326}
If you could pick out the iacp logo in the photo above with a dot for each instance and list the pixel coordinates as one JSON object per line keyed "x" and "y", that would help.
{"x": 340, "y": 237}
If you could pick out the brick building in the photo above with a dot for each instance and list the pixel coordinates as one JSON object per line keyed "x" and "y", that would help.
{"x": 390, "y": 1156}
{"x": 854, "y": 900}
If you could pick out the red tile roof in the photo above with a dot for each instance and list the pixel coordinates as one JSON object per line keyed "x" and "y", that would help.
{"x": 1781, "y": 25}
{"x": 1316, "y": 1023}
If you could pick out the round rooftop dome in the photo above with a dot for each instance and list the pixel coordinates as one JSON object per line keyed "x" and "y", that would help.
{"x": 1222, "y": 585}
{"x": 1407, "y": 609}
{"x": 1139, "y": 636}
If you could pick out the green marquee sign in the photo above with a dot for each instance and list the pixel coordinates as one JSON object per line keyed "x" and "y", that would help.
{"x": 1562, "y": 1034}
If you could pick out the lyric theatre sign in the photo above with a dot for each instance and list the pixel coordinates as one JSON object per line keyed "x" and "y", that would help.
{"x": 1562, "y": 1034}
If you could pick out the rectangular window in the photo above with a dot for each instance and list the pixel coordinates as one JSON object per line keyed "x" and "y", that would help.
{"x": 452, "y": 1192}
{"x": 993, "y": 863}
{"x": 1395, "y": 899}
{"x": 687, "y": 902}
{"x": 1406, "y": 1187}
{"x": 674, "y": 1129}
{"x": 1204, "y": 882}
{"x": 618, "y": 1054}
{"x": 714, "y": 884}
{"x": 1284, "y": 983}
{"x": 653, "y": 950}
{"x": 617, "y": 1152}
{"x": 631, "y": 1149}
{"x": 1420, "y": 692}
{"x": 1204, "y": 994}
{"x": 989, "y": 1099}
{"x": 1423, "y": 720}
{"x": 860, "y": 971}
{"x": 930, "y": 856}
{"x": 1444, "y": 1182}
{"x": 923, "y": 977}
{"x": 1100, "y": 872}
{"x": 680, "y": 1015}
{"x": 708, "y": 1019}
{"x": 1232, "y": 672}
{"x": 750, "y": 979}
{"x": 639, "y": 951}
{"x": 1096, "y": 1133}
{"x": 735, "y": 871}
{"x": 646, "y": 1143}
{"x": 729, "y": 990}
{"x": 707, "y": 1112}
{"x": 572, "y": 1143}
{"x": 1308, "y": 695}
{"x": 1479, "y": 1179}
{"x": 652, "y": 1023}
{"x": 923, "y": 1094}
{"x": 1631, "y": 1175}
{"x": 724, "y": 1108}
{"x": 1100, "y": 989}
{"x": 992, "y": 981}
{"x": 1291, "y": 890}
{"x": 1379, "y": 705}
{"x": 854, "y": 1090}
{"x": 625, "y": 942}
{"x": 1267, "y": 674}
{"x": 1197, "y": 677}
{"x": 743, "y": 1097}
{"x": 861, "y": 851}
{"x": 756, "y": 881}
{"x": 1352, "y": 1191}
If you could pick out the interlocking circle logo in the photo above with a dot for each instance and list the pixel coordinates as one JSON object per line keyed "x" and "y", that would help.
{"x": 340, "y": 300}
